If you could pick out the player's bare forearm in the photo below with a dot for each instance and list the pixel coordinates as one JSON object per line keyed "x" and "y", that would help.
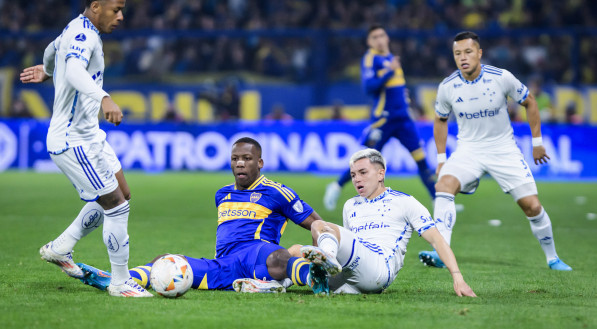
{"x": 309, "y": 220}
{"x": 440, "y": 133}
{"x": 533, "y": 116}
{"x": 34, "y": 74}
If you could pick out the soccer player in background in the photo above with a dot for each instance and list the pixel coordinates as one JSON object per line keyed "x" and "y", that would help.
{"x": 383, "y": 79}
{"x": 252, "y": 216}
{"x": 477, "y": 95}
{"x": 78, "y": 146}
{"x": 377, "y": 225}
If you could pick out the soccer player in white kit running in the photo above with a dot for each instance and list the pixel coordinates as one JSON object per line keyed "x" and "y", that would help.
{"x": 378, "y": 223}
{"x": 78, "y": 146}
{"x": 477, "y": 96}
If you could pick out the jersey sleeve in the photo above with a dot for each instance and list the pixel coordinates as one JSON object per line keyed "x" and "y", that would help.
{"x": 371, "y": 82}
{"x": 443, "y": 107}
{"x": 418, "y": 216}
{"x": 513, "y": 87}
{"x": 49, "y": 57}
{"x": 81, "y": 46}
{"x": 292, "y": 207}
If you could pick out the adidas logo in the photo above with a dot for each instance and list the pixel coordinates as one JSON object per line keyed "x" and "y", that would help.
{"x": 459, "y": 100}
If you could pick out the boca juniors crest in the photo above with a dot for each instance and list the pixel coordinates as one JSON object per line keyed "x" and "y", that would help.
{"x": 255, "y": 197}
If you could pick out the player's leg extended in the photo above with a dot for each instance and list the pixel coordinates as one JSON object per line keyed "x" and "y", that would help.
{"x": 444, "y": 213}
{"x": 327, "y": 238}
{"x": 542, "y": 230}
{"x": 59, "y": 250}
{"x": 406, "y": 132}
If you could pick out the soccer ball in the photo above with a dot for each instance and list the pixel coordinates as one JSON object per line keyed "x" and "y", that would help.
{"x": 171, "y": 276}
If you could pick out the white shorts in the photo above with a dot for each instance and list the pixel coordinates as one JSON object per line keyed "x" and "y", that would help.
{"x": 91, "y": 168}
{"x": 506, "y": 166}
{"x": 365, "y": 266}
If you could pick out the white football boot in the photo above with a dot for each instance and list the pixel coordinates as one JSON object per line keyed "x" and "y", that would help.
{"x": 332, "y": 193}
{"x": 65, "y": 262}
{"x": 249, "y": 285}
{"x": 129, "y": 288}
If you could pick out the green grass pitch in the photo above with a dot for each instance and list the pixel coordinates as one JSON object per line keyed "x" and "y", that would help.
{"x": 174, "y": 212}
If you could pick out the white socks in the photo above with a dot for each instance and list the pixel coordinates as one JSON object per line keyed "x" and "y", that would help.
{"x": 541, "y": 228}
{"x": 328, "y": 243}
{"x": 116, "y": 240}
{"x": 90, "y": 217}
{"x": 444, "y": 213}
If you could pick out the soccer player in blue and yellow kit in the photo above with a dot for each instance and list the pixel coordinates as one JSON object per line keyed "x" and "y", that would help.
{"x": 383, "y": 79}
{"x": 252, "y": 216}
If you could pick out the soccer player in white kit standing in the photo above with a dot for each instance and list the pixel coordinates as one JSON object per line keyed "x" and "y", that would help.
{"x": 477, "y": 95}
{"x": 78, "y": 146}
{"x": 378, "y": 223}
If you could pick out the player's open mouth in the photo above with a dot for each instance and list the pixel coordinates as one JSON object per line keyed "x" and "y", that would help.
{"x": 465, "y": 65}
{"x": 241, "y": 175}
{"x": 360, "y": 188}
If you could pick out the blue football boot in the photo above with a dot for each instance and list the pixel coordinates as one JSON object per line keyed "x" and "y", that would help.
{"x": 318, "y": 280}
{"x": 431, "y": 258}
{"x": 95, "y": 277}
{"x": 558, "y": 265}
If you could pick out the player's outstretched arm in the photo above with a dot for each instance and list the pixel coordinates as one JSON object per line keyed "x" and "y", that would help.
{"x": 539, "y": 154}
{"x": 34, "y": 74}
{"x": 447, "y": 256}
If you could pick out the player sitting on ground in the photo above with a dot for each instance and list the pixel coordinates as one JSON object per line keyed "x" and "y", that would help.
{"x": 252, "y": 216}
{"x": 378, "y": 223}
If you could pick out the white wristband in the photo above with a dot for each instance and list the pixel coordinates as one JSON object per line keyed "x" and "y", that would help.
{"x": 537, "y": 141}
{"x": 441, "y": 157}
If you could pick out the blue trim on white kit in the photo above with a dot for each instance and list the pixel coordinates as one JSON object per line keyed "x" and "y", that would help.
{"x": 85, "y": 169}
{"x": 351, "y": 254}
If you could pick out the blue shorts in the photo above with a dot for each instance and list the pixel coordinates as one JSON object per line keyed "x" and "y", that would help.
{"x": 403, "y": 129}
{"x": 219, "y": 273}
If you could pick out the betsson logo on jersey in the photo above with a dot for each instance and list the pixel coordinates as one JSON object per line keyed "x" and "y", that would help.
{"x": 481, "y": 114}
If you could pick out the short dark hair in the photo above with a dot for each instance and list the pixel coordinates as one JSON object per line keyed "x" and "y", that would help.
{"x": 373, "y": 28}
{"x": 468, "y": 35}
{"x": 88, "y": 2}
{"x": 249, "y": 140}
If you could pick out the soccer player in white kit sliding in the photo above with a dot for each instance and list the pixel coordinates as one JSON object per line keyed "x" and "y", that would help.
{"x": 378, "y": 223}
{"x": 78, "y": 146}
{"x": 477, "y": 96}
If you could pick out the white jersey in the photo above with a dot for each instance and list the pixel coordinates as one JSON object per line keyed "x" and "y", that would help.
{"x": 480, "y": 106}
{"x": 387, "y": 221}
{"x": 75, "y": 115}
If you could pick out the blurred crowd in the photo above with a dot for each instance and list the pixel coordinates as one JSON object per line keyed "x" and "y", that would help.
{"x": 310, "y": 40}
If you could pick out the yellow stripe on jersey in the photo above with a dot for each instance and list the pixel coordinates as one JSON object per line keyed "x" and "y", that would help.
{"x": 241, "y": 210}
{"x": 203, "y": 284}
{"x": 397, "y": 80}
{"x": 380, "y": 104}
{"x": 283, "y": 190}
{"x": 368, "y": 61}
{"x": 255, "y": 183}
{"x": 283, "y": 227}
{"x": 258, "y": 231}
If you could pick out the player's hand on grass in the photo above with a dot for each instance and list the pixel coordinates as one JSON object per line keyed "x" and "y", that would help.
{"x": 112, "y": 112}
{"x": 540, "y": 155}
{"x": 34, "y": 74}
{"x": 462, "y": 289}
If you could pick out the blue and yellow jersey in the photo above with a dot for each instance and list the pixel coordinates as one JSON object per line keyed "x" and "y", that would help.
{"x": 385, "y": 86}
{"x": 260, "y": 212}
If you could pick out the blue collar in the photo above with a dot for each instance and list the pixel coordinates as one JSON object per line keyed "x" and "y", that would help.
{"x": 476, "y": 79}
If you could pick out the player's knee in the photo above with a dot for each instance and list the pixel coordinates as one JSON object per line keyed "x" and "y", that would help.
{"x": 276, "y": 263}
{"x": 533, "y": 209}
{"x": 318, "y": 226}
{"x": 447, "y": 184}
{"x": 127, "y": 196}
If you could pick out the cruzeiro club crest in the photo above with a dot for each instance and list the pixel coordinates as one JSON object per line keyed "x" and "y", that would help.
{"x": 255, "y": 197}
